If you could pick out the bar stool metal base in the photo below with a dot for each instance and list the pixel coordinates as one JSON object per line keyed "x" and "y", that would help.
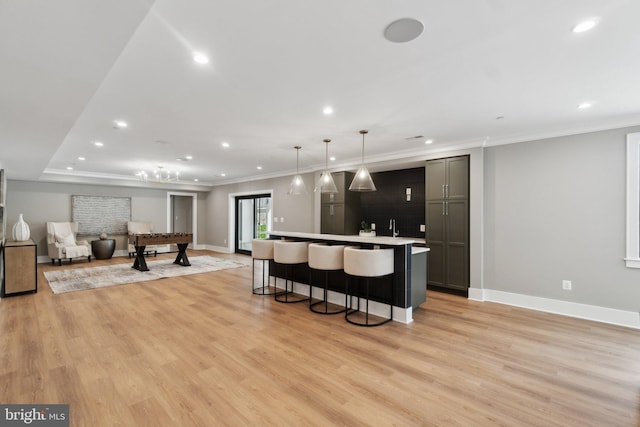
{"x": 349, "y": 312}
{"x": 324, "y": 302}
{"x": 284, "y": 296}
{"x": 261, "y": 290}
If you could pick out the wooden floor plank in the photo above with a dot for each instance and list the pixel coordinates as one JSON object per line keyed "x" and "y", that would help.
{"x": 203, "y": 350}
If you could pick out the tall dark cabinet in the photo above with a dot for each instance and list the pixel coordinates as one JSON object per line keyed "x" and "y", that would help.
{"x": 447, "y": 216}
{"x": 340, "y": 213}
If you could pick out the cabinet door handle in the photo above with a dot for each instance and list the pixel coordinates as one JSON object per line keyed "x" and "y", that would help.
{"x": 447, "y": 208}
{"x": 330, "y": 209}
{"x": 443, "y": 191}
{"x": 446, "y": 191}
{"x": 443, "y": 208}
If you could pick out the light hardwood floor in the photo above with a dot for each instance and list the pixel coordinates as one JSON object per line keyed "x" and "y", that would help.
{"x": 202, "y": 350}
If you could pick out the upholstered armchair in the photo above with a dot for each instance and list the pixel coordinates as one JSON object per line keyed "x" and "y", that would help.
{"x": 62, "y": 243}
{"x": 141, "y": 227}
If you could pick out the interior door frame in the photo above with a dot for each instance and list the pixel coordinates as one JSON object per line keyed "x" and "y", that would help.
{"x": 194, "y": 213}
{"x": 231, "y": 231}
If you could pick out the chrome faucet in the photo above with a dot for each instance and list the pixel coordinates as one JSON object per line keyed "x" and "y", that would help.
{"x": 392, "y": 226}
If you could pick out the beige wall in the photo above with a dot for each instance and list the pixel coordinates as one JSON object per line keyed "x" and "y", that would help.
{"x": 43, "y": 202}
{"x": 555, "y": 210}
{"x": 541, "y": 212}
{"x": 297, "y": 211}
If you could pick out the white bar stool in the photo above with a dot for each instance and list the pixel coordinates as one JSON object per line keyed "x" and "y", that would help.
{"x": 325, "y": 259}
{"x": 289, "y": 254}
{"x": 261, "y": 250}
{"x": 368, "y": 264}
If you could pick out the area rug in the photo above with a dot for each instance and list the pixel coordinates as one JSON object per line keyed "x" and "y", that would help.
{"x": 78, "y": 279}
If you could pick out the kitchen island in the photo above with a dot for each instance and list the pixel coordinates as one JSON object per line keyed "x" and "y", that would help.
{"x": 402, "y": 278}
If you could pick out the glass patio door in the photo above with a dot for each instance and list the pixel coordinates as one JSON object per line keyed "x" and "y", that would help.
{"x": 253, "y": 220}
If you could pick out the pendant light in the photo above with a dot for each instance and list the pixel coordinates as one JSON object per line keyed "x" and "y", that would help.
{"x": 297, "y": 184}
{"x": 327, "y": 185}
{"x": 362, "y": 181}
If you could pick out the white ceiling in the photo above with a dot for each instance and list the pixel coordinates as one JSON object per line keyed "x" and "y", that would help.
{"x": 69, "y": 68}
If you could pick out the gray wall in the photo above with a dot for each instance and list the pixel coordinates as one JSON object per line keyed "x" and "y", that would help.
{"x": 42, "y": 202}
{"x": 555, "y": 209}
{"x": 297, "y": 211}
{"x": 541, "y": 212}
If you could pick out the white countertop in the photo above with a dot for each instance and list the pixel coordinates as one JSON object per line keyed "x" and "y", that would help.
{"x": 375, "y": 240}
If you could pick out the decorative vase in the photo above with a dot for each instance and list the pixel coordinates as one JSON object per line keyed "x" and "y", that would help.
{"x": 20, "y": 231}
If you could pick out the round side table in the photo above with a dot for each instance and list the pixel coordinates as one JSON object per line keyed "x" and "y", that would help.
{"x": 103, "y": 249}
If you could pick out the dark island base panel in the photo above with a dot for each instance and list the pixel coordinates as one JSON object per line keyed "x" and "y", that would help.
{"x": 379, "y": 290}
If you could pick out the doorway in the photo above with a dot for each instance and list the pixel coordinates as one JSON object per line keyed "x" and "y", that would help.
{"x": 253, "y": 220}
{"x": 182, "y": 216}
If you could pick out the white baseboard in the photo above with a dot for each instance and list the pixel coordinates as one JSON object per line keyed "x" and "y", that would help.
{"x": 222, "y": 249}
{"x": 612, "y": 316}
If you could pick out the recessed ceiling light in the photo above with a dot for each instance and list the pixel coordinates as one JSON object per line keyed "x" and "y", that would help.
{"x": 98, "y": 144}
{"x": 223, "y": 174}
{"x": 69, "y": 168}
{"x": 332, "y": 158}
{"x": 429, "y": 141}
{"x": 259, "y": 168}
{"x": 81, "y": 158}
{"x": 585, "y": 105}
{"x": 200, "y": 58}
{"x": 403, "y": 30}
{"x": 120, "y": 124}
{"x": 225, "y": 144}
{"x": 188, "y": 157}
{"x": 585, "y": 25}
{"x": 195, "y": 179}
{"x": 327, "y": 110}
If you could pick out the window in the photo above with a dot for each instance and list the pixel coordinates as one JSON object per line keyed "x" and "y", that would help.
{"x": 633, "y": 201}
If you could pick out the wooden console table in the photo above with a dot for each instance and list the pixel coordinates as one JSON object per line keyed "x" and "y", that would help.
{"x": 20, "y": 268}
{"x": 140, "y": 241}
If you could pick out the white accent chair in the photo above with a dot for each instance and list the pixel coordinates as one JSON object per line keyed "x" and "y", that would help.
{"x": 62, "y": 243}
{"x": 140, "y": 227}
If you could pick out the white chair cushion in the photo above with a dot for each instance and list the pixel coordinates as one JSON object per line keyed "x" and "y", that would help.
{"x": 285, "y": 252}
{"x": 67, "y": 240}
{"x": 323, "y": 257}
{"x": 262, "y": 248}
{"x": 368, "y": 262}
{"x": 76, "y": 251}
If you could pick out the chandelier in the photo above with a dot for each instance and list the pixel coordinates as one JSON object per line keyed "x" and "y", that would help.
{"x": 159, "y": 175}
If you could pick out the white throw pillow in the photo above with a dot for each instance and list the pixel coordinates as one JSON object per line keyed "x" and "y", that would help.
{"x": 66, "y": 240}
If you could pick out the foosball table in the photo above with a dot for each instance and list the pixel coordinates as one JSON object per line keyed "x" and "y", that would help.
{"x": 140, "y": 241}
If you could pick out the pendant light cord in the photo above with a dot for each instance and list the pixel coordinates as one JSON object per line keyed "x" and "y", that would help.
{"x": 363, "y": 133}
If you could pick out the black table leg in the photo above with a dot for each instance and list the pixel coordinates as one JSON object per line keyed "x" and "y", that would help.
{"x": 140, "y": 263}
{"x": 182, "y": 255}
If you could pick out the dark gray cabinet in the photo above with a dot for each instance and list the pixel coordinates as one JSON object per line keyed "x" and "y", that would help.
{"x": 340, "y": 213}
{"x": 447, "y": 217}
